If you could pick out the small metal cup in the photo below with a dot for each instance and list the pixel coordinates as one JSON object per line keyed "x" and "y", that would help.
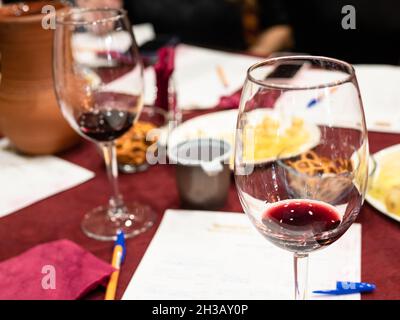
{"x": 202, "y": 172}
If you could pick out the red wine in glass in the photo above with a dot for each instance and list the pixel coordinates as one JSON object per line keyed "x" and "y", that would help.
{"x": 105, "y": 125}
{"x": 111, "y": 115}
{"x": 301, "y": 222}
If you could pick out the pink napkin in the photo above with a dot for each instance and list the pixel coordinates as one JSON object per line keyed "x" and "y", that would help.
{"x": 164, "y": 68}
{"x": 230, "y": 102}
{"x": 59, "y": 270}
{"x": 265, "y": 98}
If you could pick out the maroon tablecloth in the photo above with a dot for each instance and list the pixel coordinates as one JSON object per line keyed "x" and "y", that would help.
{"x": 59, "y": 217}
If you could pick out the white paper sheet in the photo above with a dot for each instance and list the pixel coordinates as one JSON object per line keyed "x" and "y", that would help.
{"x": 143, "y": 32}
{"x": 197, "y": 82}
{"x": 25, "y": 180}
{"x": 209, "y": 255}
{"x": 379, "y": 86}
{"x": 379, "y": 91}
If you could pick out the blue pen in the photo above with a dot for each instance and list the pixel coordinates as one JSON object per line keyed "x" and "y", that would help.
{"x": 344, "y": 287}
{"x": 316, "y": 100}
{"x": 117, "y": 259}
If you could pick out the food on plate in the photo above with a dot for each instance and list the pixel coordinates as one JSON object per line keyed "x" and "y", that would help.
{"x": 273, "y": 138}
{"x": 311, "y": 163}
{"x": 319, "y": 177}
{"x": 392, "y": 200}
{"x": 384, "y": 186}
{"x": 273, "y": 135}
{"x": 133, "y": 145}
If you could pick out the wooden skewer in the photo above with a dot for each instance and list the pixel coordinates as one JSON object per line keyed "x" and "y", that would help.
{"x": 222, "y": 76}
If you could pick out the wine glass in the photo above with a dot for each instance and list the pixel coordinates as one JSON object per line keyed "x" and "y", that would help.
{"x": 301, "y": 154}
{"x": 98, "y": 77}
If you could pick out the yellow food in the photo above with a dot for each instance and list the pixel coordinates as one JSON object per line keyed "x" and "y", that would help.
{"x": 132, "y": 146}
{"x": 272, "y": 139}
{"x": 392, "y": 200}
{"x": 385, "y": 185}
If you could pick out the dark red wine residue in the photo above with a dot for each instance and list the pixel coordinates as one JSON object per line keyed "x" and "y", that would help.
{"x": 302, "y": 216}
{"x": 105, "y": 125}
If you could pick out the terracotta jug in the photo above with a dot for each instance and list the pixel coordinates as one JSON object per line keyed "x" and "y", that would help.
{"x": 29, "y": 112}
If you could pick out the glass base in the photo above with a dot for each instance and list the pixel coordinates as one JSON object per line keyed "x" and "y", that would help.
{"x": 99, "y": 224}
{"x": 130, "y": 168}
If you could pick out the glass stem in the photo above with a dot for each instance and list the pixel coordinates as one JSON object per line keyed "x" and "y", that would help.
{"x": 116, "y": 203}
{"x": 300, "y": 275}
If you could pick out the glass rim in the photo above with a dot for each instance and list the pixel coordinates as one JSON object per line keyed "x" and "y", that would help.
{"x": 271, "y": 61}
{"x": 60, "y": 19}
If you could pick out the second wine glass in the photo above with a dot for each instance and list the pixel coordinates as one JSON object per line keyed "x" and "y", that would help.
{"x": 98, "y": 79}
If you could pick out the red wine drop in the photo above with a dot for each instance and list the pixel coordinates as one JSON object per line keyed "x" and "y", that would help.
{"x": 302, "y": 216}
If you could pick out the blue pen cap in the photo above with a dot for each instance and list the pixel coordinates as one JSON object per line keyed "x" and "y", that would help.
{"x": 346, "y": 287}
{"x": 355, "y": 286}
{"x": 121, "y": 242}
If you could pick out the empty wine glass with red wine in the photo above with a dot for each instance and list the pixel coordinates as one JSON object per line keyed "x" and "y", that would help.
{"x": 98, "y": 79}
{"x": 301, "y": 154}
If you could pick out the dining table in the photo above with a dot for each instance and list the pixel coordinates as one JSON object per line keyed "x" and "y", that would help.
{"x": 59, "y": 217}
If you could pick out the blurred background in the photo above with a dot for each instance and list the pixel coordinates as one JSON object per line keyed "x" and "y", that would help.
{"x": 266, "y": 26}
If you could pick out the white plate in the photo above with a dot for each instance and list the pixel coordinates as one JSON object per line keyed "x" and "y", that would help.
{"x": 377, "y": 204}
{"x": 222, "y": 125}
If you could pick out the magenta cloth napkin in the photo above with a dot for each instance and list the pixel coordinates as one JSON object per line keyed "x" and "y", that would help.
{"x": 164, "y": 68}
{"x": 230, "y": 102}
{"x": 59, "y": 270}
{"x": 265, "y": 98}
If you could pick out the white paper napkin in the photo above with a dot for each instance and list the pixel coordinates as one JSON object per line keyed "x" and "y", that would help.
{"x": 25, "y": 180}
